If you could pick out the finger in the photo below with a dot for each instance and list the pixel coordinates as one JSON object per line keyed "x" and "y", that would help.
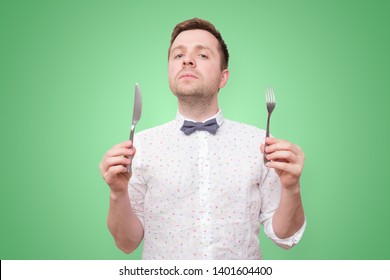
{"x": 122, "y": 158}
{"x": 285, "y": 156}
{"x": 125, "y": 144}
{"x": 113, "y": 161}
{"x": 113, "y": 172}
{"x": 294, "y": 169}
{"x": 106, "y": 164}
{"x": 262, "y": 148}
{"x": 114, "y": 152}
{"x": 273, "y": 146}
{"x": 271, "y": 140}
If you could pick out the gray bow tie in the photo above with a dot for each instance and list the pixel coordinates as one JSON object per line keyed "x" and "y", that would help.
{"x": 210, "y": 126}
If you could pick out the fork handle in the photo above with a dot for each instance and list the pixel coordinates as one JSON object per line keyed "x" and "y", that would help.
{"x": 266, "y": 135}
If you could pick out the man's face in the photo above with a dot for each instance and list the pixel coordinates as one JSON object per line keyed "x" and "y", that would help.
{"x": 194, "y": 66}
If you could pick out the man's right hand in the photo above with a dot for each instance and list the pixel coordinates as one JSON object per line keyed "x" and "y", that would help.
{"x": 113, "y": 166}
{"x": 124, "y": 225}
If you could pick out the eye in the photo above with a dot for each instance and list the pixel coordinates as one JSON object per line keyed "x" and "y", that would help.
{"x": 203, "y": 56}
{"x": 178, "y": 56}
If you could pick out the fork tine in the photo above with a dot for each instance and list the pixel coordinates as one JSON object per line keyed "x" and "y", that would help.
{"x": 269, "y": 95}
{"x": 273, "y": 96}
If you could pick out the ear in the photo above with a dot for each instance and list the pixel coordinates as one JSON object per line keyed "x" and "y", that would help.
{"x": 224, "y": 78}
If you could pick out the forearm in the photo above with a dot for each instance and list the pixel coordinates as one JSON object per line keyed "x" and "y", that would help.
{"x": 289, "y": 217}
{"x": 123, "y": 224}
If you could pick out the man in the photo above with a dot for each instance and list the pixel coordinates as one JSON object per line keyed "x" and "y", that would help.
{"x": 200, "y": 191}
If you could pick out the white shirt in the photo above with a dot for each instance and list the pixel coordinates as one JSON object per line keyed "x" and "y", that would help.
{"x": 204, "y": 196}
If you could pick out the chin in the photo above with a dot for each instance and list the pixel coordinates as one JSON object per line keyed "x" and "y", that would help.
{"x": 183, "y": 90}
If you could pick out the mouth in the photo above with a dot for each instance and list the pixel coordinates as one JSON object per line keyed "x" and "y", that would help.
{"x": 187, "y": 76}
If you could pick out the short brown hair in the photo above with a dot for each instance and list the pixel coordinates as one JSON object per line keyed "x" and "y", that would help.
{"x": 198, "y": 23}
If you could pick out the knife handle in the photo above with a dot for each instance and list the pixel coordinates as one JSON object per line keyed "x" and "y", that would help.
{"x": 131, "y": 139}
{"x": 129, "y": 168}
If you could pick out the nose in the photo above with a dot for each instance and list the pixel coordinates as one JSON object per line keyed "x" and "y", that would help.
{"x": 189, "y": 61}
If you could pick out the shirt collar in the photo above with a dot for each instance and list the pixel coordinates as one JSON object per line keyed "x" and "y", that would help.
{"x": 218, "y": 116}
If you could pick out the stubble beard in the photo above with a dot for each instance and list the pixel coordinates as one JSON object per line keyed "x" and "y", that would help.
{"x": 194, "y": 97}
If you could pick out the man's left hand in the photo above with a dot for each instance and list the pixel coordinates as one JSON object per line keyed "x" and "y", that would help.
{"x": 286, "y": 158}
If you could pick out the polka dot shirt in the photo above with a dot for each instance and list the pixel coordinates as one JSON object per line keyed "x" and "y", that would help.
{"x": 204, "y": 196}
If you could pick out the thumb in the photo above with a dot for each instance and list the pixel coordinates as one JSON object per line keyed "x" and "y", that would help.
{"x": 262, "y": 148}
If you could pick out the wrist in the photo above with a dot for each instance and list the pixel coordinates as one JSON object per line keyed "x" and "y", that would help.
{"x": 294, "y": 190}
{"x": 118, "y": 195}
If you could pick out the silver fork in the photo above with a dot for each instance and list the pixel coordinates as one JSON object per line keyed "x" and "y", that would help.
{"x": 270, "y": 101}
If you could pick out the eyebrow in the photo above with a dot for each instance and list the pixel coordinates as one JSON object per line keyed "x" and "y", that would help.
{"x": 197, "y": 47}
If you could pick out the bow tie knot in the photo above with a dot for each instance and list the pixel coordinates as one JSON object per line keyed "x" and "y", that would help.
{"x": 210, "y": 126}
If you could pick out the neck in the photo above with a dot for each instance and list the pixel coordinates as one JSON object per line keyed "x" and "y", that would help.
{"x": 197, "y": 110}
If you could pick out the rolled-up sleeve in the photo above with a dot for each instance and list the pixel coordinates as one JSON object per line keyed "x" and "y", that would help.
{"x": 285, "y": 243}
{"x": 137, "y": 186}
{"x": 270, "y": 191}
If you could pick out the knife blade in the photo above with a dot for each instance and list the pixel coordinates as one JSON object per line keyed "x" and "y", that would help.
{"x": 137, "y": 111}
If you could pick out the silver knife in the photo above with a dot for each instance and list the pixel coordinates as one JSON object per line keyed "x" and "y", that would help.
{"x": 137, "y": 110}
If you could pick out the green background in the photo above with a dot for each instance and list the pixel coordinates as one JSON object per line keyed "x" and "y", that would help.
{"x": 68, "y": 70}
